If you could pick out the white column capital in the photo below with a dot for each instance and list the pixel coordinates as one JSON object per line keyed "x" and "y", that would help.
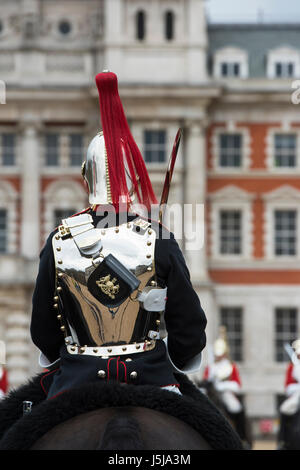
{"x": 196, "y": 126}
{"x": 30, "y": 124}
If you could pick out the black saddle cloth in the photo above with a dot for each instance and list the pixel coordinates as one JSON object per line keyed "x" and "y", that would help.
{"x": 19, "y": 432}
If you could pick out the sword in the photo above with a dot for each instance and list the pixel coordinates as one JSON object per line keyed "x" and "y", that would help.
{"x": 169, "y": 174}
{"x": 291, "y": 353}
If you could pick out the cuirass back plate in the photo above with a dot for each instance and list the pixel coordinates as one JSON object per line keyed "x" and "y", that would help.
{"x": 90, "y": 321}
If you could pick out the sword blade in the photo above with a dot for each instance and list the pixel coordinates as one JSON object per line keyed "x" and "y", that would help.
{"x": 169, "y": 174}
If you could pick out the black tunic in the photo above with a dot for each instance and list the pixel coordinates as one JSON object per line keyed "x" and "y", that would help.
{"x": 184, "y": 317}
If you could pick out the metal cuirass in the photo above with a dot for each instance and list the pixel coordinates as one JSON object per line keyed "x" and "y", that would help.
{"x": 106, "y": 289}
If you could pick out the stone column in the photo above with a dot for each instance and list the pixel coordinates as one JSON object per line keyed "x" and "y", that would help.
{"x": 30, "y": 206}
{"x": 113, "y": 38}
{"x": 195, "y": 195}
{"x": 196, "y": 42}
{"x": 16, "y": 335}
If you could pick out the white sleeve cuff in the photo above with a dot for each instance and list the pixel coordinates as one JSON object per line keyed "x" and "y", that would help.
{"x": 44, "y": 361}
{"x": 292, "y": 388}
{"x": 229, "y": 385}
{"x": 193, "y": 365}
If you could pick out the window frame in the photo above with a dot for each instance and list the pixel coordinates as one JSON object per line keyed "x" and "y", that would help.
{"x": 283, "y": 56}
{"x": 5, "y": 231}
{"x": 244, "y": 132}
{"x": 282, "y": 198}
{"x": 64, "y": 148}
{"x": 270, "y": 149}
{"x": 283, "y": 135}
{"x": 140, "y": 25}
{"x": 282, "y": 235}
{"x": 222, "y": 149}
{"x": 169, "y": 25}
{"x": 8, "y": 202}
{"x": 293, "y": 335}
{"x": 231, "y": 56}
{"x": 5, "y": 131}
{"x": 234, "y": 234}
{"x": 240, "y": 311}
{"x": 81, "y": 135}
{"x": 57, "y": 148}
{"x": 231, "y": 198}
{"x": 154, "y": 144}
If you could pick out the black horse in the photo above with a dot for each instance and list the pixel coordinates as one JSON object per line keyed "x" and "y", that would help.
{"x": 239, "y": 421}
{"x": 289, "y": 432}
{"x": 115, "y": 417}
{"x": 123, "y": 428}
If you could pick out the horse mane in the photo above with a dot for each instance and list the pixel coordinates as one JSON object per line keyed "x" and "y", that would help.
{"x": 121, "y": 433}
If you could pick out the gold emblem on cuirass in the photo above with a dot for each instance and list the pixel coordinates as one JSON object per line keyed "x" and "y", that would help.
{"x": 108, "y": 286}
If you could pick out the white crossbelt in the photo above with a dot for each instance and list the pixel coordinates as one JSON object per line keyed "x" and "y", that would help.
{"x": 107, "y": 351}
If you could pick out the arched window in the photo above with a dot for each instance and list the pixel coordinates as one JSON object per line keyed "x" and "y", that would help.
{"x": 64, "y": 27}
{"x": 169, "y": 25}
{"x": 140, "y": 25}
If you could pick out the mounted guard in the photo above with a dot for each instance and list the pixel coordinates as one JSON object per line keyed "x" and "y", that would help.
{"x": 109, "y": 277}
{"x": 289, "y": 409}
{"x": 224, "y": 376}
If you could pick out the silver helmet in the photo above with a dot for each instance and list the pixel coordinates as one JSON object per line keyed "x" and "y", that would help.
{"x": 96, "y": 174}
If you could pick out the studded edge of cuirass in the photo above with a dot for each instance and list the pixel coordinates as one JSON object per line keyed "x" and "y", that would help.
{"x": 79, "y": 248}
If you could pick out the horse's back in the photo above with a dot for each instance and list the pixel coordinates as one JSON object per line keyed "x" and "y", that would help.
{"x": 122, "y": 428}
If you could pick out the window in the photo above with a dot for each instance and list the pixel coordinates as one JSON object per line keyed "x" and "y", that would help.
{"x": 60, "y": 214}
{"x": 230, "y": 150}
{"x": 285, "y": 222}
{"x": 230, "y": 232}
{"x": 284, "y": 69}
{"x": 169, "y": 25}
{"x": 8, "y": 141}
{"x": 283, "y": 62}
{"x": 76, "y": 149}
{"x": 285, "y": 150}
{"x": 230, "y": 69}
{"x": 52, "y": 149}
{"x": 230, "y": 62}
{"x": 232, "y": 319}
{"x": 64, "y": 27}
{"x": 286, "y": 330}
{"x": 140, "y": 25}
{"x": 3, "y": 231}
{"x": 155, "y": 146}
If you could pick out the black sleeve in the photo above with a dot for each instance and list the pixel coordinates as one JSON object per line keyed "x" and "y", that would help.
{"x": 184, "y": 317}
{"x": 45, "y": 328}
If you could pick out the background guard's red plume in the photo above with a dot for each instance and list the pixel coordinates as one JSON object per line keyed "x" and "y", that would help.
{"x": 119, "y": 141}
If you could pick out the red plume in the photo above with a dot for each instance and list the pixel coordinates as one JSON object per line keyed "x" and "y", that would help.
{"x": 119, "y": 142}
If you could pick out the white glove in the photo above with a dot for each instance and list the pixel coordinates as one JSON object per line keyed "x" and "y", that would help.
{"x": 291, "y": 405}
{"x": 227, "y": 385}
{"x": 292, "y": 388}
